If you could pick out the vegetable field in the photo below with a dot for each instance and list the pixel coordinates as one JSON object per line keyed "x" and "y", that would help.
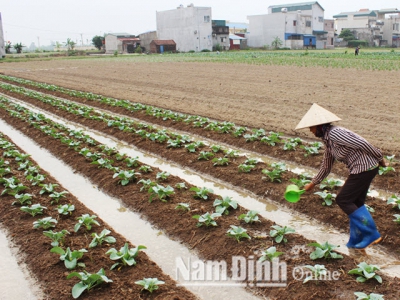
{"x": 210, "y": 117}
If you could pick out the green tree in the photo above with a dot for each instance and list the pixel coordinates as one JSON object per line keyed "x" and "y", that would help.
{"x": 347, "y": 35}
{"x": 70, "y": 44}
{"x": 276, "y": 43}
{"x": 97, "y": 41}
{"x": 58, "y": 46}
{"x": 8, "y": 47}
{"x": 18, "y": 47}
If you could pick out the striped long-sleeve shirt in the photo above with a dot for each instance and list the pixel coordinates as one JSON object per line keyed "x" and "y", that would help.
{"x": 348, "y": 147}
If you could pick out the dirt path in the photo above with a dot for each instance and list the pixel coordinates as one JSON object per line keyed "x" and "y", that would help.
{"x": 272, "y": 97}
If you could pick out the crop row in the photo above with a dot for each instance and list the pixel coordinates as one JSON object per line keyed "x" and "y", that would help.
{"x": 78, "y": 148}
{"x": 53, "y": 229}
{"x": 256, "y": 140}
{"x": 249, "y": 175}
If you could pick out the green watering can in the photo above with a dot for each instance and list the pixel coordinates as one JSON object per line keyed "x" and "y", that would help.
{"x": 293, "y": 193}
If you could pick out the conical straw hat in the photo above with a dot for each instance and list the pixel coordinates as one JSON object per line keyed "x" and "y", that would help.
{"x": 316, "y": 115}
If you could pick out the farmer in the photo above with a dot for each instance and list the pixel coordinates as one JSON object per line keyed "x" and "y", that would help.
{"x": 357, "y": 50}
{"x": 363, "y": 161}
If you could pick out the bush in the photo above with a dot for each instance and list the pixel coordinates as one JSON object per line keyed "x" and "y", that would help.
{"x": 138, "y": 50}
{"x": 355, "y": 43}
{"x": 205, "y": 50}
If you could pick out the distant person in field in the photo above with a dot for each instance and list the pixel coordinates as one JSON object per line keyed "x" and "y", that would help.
{"x": 357, "y": 50}
{"x": 363, "y": 161}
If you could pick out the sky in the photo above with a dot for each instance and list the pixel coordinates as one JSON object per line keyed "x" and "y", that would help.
{"x": 44, "y": 22}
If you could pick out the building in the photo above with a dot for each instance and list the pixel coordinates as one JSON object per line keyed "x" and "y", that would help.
{"x": 146, "y": 38}
{"x": 161, "y": 46}
{"x": 2, "y": 44}
{"x": 298, "y": 25}
{"x": 121, "y": 42}
{"x": 329, "y": 38}
{"x": 190, "y": 27}
{"x": 377, "y": 27}
{"x": 237, "y": 42}
{"x": 220, "y": 35}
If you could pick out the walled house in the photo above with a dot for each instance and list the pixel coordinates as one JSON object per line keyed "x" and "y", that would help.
{"x": 378, "y": 27}
{"x": 121, "y": 42}
{"x": 220, "y": 35}
{"x": 161, "y": 46}
{"x": 190, "y": 27}
{"x": 298, "y": 25}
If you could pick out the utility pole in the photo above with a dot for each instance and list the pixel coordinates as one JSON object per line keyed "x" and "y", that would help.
{"x": 38, "y": 42}
{"x": 81, "y": 40}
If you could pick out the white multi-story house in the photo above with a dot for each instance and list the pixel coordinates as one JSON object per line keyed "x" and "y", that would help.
{"x": 297, "y": 25}
{"x": 378, "y": 27}
{"x": 190, "y": 27}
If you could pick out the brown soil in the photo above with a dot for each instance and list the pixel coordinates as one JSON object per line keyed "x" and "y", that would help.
{"x": 271, "y": 97}
{"x": 201, "y": 238}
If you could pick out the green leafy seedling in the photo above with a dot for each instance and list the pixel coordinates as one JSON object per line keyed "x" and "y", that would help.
{"x": 243, "y": 168}
{"x": 33, "y": 210}
{"x": 238, "y": 233}
{"x": 180, "y": 186}
{"x": 87, "y": 281}
{"x": 201, "y": 193}
{"x": 220, "y": 161}
{"x": 222, "y": 205}
{"x": 162, "y": 192}
{"x": 23, "y": 199}
{"x": 330, "y": 184}
{"x": 57, "y": 238}
{"x": 250, "y": 217}
{"x": 126, "y": 176}
{"x": 145, "y": 169}
{"x": 56, "y": 196}
{"x": 327, "y": 197}
{"x": 99, "y": 239}
{"x": 183, "y": 206}
{"x": 204, "y": 155}
{"x": 372, "y": 296}
{"x": 149, "y": 284}
{"x": 206, "y": 219}
{"x": 279, "y": 233}
{"x": 394, "y": 200}
{"x": 65, "y": 209}
{"x": 317, "y": 272}
{"x": 47, "y": 188}
{"x": 366, "y": 272}
{"x": 70, "y": 258}
{"x": 269, "y": 254}
{"x": 162, "y": 176}
{"x": 45, "y": 223}
{"x": 86, "y": 220}
{"x": 324, "y": 250}
{"x": 125, "y": 256}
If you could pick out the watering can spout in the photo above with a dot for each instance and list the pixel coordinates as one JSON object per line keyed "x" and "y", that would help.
{"x": 293, "y": 193}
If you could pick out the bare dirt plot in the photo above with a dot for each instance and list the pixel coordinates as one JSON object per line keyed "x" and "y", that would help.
{"x": 272, "y": 97}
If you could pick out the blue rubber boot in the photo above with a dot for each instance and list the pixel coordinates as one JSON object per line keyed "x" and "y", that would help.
{"x": 365, "y": 232}
{"x": 355, "y": 233}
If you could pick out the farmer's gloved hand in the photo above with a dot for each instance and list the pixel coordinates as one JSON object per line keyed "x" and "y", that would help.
{"x": 308, "y": 187}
